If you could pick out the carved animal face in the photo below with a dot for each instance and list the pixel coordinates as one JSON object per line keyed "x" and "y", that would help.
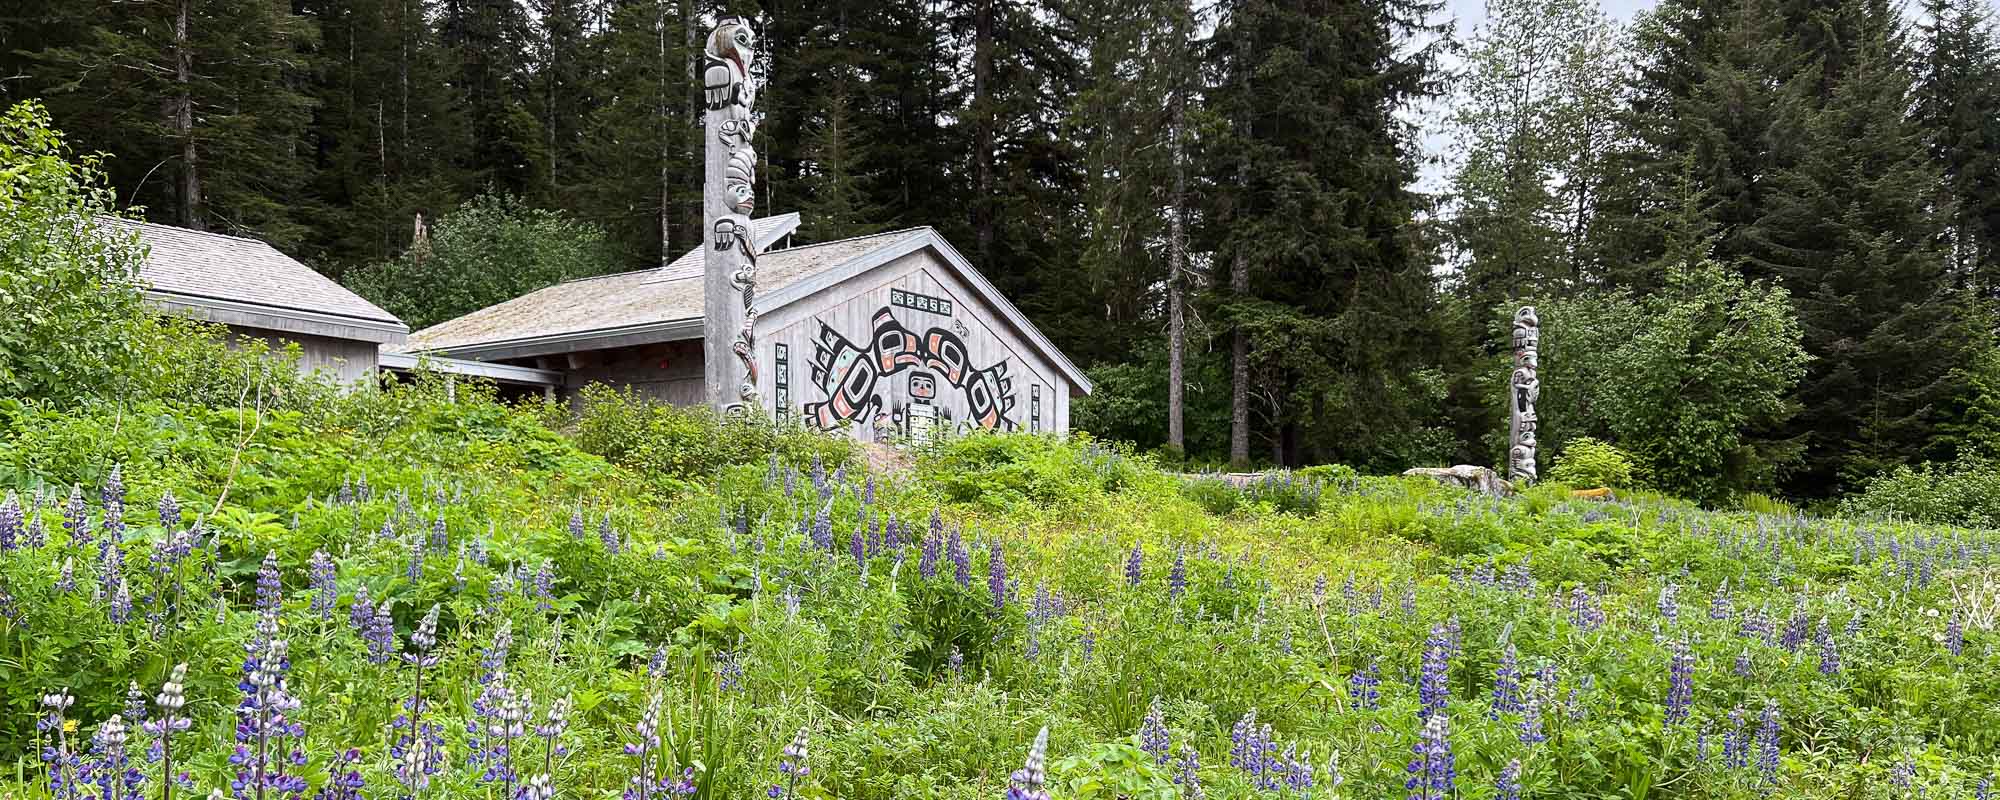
{"x": 1526, "y": 318}
{"x": 735, "y": 41}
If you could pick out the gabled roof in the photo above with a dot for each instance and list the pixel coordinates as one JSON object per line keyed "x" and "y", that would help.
{"x": 665, "y": 304}
{"x": 238, "y": 281}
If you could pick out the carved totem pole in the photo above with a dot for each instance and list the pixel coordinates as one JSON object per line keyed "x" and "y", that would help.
{"x": 729, "y": 279}
{"x": 1527, "y": 389}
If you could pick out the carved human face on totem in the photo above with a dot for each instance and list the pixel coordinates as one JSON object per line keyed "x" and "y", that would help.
{"x": 923, "y": 388}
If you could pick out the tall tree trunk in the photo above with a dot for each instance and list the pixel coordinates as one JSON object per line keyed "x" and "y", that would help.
{"x": 1239, "y": 378}
{"x": 189, "y": 213}
{"x": 403, "y": 82}
{"x": 664, "y": 130}
{"x": 985, "y": 122}
{"x": 1176, "y": 315}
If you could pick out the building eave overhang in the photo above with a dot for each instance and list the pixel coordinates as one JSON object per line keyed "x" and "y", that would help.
{"x": 280, "y": 319}
{"x": 928, "y": 238}
{"x": 672, "y": 330}
{"x": 502, "y": 373}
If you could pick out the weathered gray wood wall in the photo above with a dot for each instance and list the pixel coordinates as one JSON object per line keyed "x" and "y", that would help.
{"x": 903, "y": 348}
{"x": 670, "y": 371}
{"x": 346, "y": 360}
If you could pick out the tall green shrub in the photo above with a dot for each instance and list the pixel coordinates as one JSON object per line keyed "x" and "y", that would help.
{"x": 70, "y": 305}
{"x": 1686, "y": 378}
{"x": 492, "y": 249}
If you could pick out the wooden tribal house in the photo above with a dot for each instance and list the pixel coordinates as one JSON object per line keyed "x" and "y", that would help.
{"x": 889, "y": 334}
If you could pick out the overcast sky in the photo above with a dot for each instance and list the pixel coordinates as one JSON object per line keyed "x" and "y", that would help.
{"x": 1470, "y": 12}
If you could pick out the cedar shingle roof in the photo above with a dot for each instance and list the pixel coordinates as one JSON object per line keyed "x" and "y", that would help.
{"x": 632, "y": 300}
{"x": 197, "y": 268}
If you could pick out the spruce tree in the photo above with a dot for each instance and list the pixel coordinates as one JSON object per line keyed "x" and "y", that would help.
{"x": 1957, "y": 109}
{"x": 1339, "y": 309}
{"x": 1852, "y": 228}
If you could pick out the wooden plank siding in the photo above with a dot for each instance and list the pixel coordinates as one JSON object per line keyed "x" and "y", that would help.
{"x": 976, "y": 370}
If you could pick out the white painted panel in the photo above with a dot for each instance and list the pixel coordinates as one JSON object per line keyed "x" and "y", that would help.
{"x": 900, "y": 348}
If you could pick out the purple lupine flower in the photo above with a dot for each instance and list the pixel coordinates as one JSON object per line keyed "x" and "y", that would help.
{"x": 37, "y": 533}
{"x": 120, "y": 611}
{"x": 1984, "y": 789}
{"x": 171, "y": 699}
{"x": 379, "y": 633}
{"x": 361, "y": 611}
{"x": 1263, "y": 758}
{"x": 821, "y": 530}
{"x": 1904, "y": 775}
{"x": 388, "y": 531}
{"x": 1584, "y": 610}
{"x": 62, "y": 761}
{"x": 66, "y": 579}
{"x": 1186, "y": 773}
{"x": 1719, "y": 607}
{"x": 728, "y": 671}
{"x": 1756, "y": 625}
{"x": 1519, "y": 578}
{"x": 1680, "y": 683}
{"x": 1735, "y": 742}
{"x": 268, "y": 738}
{"x": 545, "y": 578}
{"x": 868, "y": 491}
{"x": 1829, "y": 652}
{"x": 1135, "y": 566}
{"x": 1508, "y": 785}
{"x": 1432, "y": 770}
{"x": 1954, "y": 635}
{"x": 1670, "y": 604}
{"x": 1153, "y": 737}
{"x": 927, "y": 564}
{"x": 1364, "y": 687}
{"x": 417, "y": 549}
{"x": 1177, "y": 577}
{"x": 576, "y": 522}
{"x": 645, "y": 747}
{"x": 996, "y": 576}
{"x": 493, "y": 658}
{"x": 73, "y": 522}
{"x": 1434, "y": 683}
{"x": 792, "y": 765}
{"x": 955, "y": 662}
{"x": 343, "y": 778}
{"x": 11, "y": 520}
{"x": 1295, "y": 772}
{"x": 112, "y": 495}
{"x": 609, "y": 536}
{"x": 135, "y": 704}
{"x": 269, "y": 591}
{"x": 1767, "y": 743}
{"x": 857, "y": 549}
{"x": 961, "y": 559}
{"x": 1507, "y": 683}
{"x": 440, "y": 535}
{"x": 1029, "y": 782}
{"x": 1795, "y": 630}
{"x": 110, "y": 767}
{"x": 1243, "y": 750}
{"x": 1530, "y": 732}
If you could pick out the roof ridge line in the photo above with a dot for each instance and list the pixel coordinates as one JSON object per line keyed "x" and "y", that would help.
{"x": 151, "y": 224}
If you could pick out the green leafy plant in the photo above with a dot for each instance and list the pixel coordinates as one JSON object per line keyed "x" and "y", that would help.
{"x": 1588, "y": 463}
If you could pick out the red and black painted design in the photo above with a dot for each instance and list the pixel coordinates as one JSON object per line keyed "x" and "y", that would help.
{"x": 850, "y": 374}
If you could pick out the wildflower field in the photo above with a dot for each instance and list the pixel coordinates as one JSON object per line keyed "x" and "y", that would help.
{"x": 394, "y": 596}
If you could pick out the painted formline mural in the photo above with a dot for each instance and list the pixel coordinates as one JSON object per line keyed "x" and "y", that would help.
{"x": 857, "y": 381}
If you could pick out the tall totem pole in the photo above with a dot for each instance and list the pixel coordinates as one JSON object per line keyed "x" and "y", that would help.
{"x": 1527, "y": 389}
{"x": 729, "y": 280}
